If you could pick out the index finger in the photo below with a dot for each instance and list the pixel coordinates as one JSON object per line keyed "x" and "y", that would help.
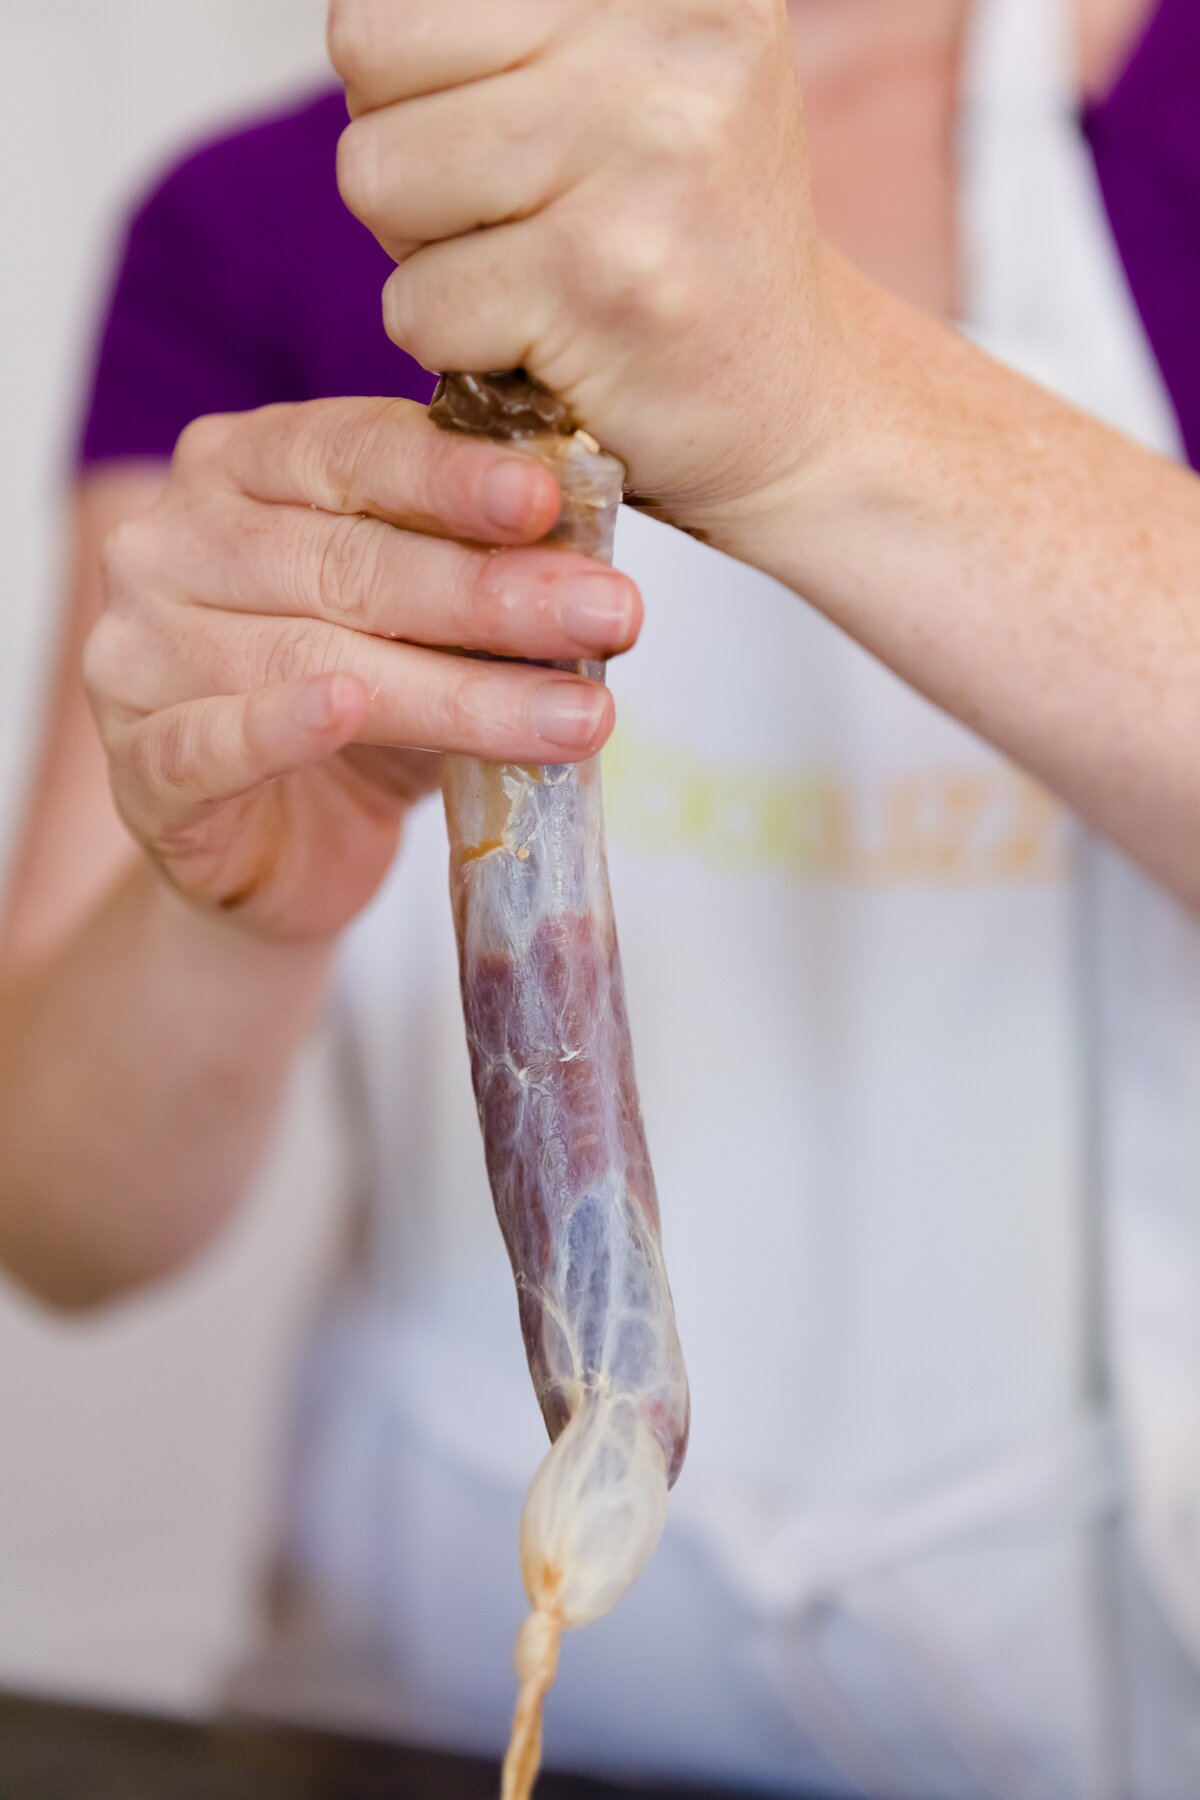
{"x": 387, "y": 460}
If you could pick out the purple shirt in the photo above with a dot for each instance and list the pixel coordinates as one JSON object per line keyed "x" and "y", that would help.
{"x": 1145, "y": 139}
{"x": 244, "y": 279}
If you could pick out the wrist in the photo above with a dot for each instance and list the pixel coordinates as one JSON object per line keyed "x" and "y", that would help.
{"x": 217, "y": 953}
{"x": 862, "y": 430}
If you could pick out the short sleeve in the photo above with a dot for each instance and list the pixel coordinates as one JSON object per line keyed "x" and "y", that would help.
{"x": 242, "y": 280}
{"x": 179, "y": 337}
{"x": 1145, "y": 137}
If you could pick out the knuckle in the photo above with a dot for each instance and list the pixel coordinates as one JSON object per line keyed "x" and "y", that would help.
{"x": 401, "y": 317}
{"x": 741, "y": 41}
{"x": 466, "y": 705}
{"x": 350, "y": 36}
{"x": 359, "y": 168}
{"x": 673, "y": 303}
{"x": 429, "y": 311}
{"x": 682, "y": 125}
{"x": 121, "y": 556}
{"x": 642, "y": 254}
{"x": 627, "y": 262}
{"x": 203, "y": 442}
{"x": 579, "y": 240}
{"x": 511, "y": 604}
{"x": 634, "y": 268}
{"x": 346, "y": 573}
{"x": 154, "y": 760}
{"x": 380, "y": 440}
{"x": 341, "y": 448}
{"x": 138, "y": 562}
{"x": 295, "y": 650}
{"x": 104, "y": 657}
{"x": 169, "y": 754}
{"x": 753, "y": 25}
{"x": 491, "y": 609}
{"x": 278, "y": 424}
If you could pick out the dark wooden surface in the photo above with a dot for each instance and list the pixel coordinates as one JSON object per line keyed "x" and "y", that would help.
{"x": 55, "y": 1752}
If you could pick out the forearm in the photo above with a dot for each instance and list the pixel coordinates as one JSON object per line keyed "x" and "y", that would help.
{"x": 140, "y": 1069}
{"x": 1026, "y": 569}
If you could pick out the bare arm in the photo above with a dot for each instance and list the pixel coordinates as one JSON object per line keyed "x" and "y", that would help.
{"x": 72, "y": 845}
{"x": 1030, "y": 571}
{"x": 140, "y": 1067}
{"x": 142, "y": 1046}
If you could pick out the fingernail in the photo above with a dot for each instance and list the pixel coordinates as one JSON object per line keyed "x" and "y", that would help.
{"x": 313, "y": 706}
{"x": 508, "y": 496}
{"x": 596, "y": 610}
{"x": 567, "y": 713}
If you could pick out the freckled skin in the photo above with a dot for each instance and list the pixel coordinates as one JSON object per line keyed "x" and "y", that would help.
{"x": 551, "y": 1057}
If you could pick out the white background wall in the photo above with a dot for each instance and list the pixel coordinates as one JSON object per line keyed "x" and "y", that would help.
{"x": 136, "y": 1452}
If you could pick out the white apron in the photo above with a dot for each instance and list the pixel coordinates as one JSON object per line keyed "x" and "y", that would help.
{"x": 864, "y": 961}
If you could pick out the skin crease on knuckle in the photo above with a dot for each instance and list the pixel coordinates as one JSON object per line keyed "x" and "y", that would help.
{"x": 331, "y": 441}
{"x": 296, "y": 649}
{"x": 171, "y": 760}
{"x": 153, "y": 769}
{"x": 367, "y": 461}
{"x": 277, "y": 456}
{"x": 304, "y": 449}
{"x": 390, "y": 463}
{"x": 342, "y": 581}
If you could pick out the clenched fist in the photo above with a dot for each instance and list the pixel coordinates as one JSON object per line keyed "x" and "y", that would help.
{"x": 613, "y": 195}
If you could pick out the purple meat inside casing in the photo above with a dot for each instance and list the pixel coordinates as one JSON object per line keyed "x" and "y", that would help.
{"x": 544, "y": 1004}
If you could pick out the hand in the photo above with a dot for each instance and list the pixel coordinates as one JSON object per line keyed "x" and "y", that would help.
{"x": 612, "y": 194}
{"x": 267, "y": 675}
